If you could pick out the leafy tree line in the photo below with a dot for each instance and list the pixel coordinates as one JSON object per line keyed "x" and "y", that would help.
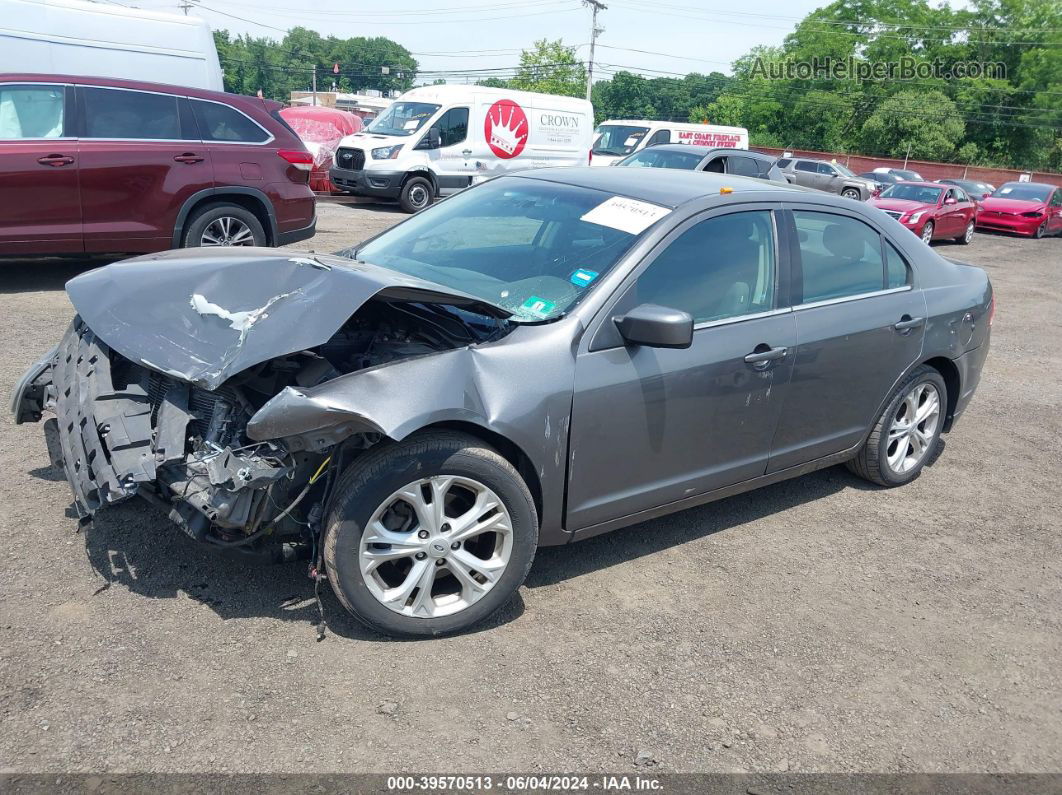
{"x": 276, "y": 68}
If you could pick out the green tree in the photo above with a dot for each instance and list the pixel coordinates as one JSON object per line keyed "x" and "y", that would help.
{"x": 549, "y": 67}
{"x": 924, "y": 124}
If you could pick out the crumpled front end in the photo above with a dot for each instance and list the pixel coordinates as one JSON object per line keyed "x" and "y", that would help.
{"x": 122, "y": 430}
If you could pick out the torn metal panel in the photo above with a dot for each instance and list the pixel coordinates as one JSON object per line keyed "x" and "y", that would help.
{"x": 173, "y": 419}
{"x": 203, "y": 315}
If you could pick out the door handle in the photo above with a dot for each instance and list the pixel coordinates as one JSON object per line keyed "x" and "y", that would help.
{"x": 763, "y": 356}
{"x": 906, "y": 323}
{"x": 467, "y": 153}
{"x": 188, "y": 157}
{"x": 55, "y": 160}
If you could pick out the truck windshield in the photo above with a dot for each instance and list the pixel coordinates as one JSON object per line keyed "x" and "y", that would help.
{"x": 618, "y": 139}
{"x": 402, "y": 118}
{"x": 520, "y": 244}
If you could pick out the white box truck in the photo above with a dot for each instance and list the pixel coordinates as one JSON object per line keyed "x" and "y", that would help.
{"x": 70, "y": 37}
{"x": 436, "y": 140}
{"x": 615, "y": 139}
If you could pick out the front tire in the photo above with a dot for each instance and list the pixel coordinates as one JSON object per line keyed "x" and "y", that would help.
{"x": 967, "y": 236}
{"x": 417, "y": 194}
{"x": 927, "y": 232}
{"x": 850, "y": 193}
{"x": 1041, "y": 230}
{"x": 906, "y": 434}
{"x": 429, "y": 536}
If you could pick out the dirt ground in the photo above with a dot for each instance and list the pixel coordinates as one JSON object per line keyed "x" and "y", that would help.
{"x": 815, "y": 625}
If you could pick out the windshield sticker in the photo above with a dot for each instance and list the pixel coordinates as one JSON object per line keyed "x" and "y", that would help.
{"x": 411, "y": 124}
{"x": 627, "y": 215}
{"x": 582, "y": 278}
{"x": 1006, "y": 190}
{"x": 538, "y": 306}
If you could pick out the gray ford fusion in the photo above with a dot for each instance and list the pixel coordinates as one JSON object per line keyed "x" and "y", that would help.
{"x": 537, "y": 360}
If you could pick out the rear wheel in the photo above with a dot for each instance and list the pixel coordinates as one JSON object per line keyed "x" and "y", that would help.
{"x": 224, "y": 225}
{"x": 907, "y": 433}
{"x": 416, "y": 194}
{"x": 927, "y": 232}
{"x": 429, "y": 536}
{"x": 968, "y": 235}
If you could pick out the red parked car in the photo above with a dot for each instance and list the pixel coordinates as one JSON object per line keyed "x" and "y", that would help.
{"x": 1024, "y": 208}
{"x": 930, "y": 210}
{"x": 96, "y": 165}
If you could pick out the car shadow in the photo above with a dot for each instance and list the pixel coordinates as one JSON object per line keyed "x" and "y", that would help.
{"x": 43, "y": 275}
{"x": 135, "y": 546}
{"x": 556, "y": 564}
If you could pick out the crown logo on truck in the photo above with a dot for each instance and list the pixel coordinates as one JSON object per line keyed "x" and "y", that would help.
{"x": 506, "y": 128}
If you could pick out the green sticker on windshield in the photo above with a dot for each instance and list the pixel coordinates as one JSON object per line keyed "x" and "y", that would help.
{"x": 537, "y": 306}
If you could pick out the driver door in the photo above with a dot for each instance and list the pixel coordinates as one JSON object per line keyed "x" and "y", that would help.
{"x": 651, "y": 426}
{"x": 453, "y": 162}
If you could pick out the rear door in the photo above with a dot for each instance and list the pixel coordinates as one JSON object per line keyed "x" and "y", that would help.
{"x": 1054, "y": 211}
{"x": 40, "y": 207}
{"x": 141, "y": 159}
{"x": 860, "y": 321}
{"x": 806, "y": 173}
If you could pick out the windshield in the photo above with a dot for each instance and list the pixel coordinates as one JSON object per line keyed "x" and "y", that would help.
{"x": 402, "y": 118}
{"x": 618, "y": 139}
{"x": 1022, "y": 191}
{"x": 914, "y": 193}
{"x": 662, "y": 158}
{"x": 842, "y": 170}
{"x": 516, "y": 243}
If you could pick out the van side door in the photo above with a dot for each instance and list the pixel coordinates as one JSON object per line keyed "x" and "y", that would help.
{"x": 40, "y": 207}
{"x": 453, "y": 162}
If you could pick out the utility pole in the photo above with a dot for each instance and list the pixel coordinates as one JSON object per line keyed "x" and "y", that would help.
{"x": 595, "y": 6}
{"x": 185, "y": 5}
{"x": 315, "y": 85}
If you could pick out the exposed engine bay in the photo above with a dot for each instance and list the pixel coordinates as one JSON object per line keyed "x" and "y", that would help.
{"x": 124, "y": 429}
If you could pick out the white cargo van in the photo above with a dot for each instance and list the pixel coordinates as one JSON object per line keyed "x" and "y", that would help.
{"x": 614, "y": 140}
{"x": 436, "y": 140}
{"x": 70, "y": 37}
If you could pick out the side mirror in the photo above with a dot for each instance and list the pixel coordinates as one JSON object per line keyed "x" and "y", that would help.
{"x": 656, "y": 327}
{"x": 432, "y": 139}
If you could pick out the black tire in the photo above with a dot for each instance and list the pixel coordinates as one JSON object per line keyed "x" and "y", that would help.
{"x": 1041, "y": 230}
{"x": 371, "y": 479}
{"x": 871, "y": 462}
{"x": 417, "y": 193}
{"x": 851, "y": 193}
{"x": 967, "y": 234}
{"x": 929, "y": 227}
{"x": 205, "y": 216}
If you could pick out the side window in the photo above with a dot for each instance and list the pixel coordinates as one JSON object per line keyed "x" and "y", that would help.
{"x": 826, "y": 168}
{"x": 1056, "y": 199}
{"x": 743, "y": 166}
{"x": 896, "y": 270}
{"x": 783, "y": 162}
{"x": 218, "y": 122}
{"x": 31, "y": 112}
{"x": 660, "y": 137}
{"x": 138, "y": 115}
{"x": 717, "y": 165}
{"x": 839, "y": 256}
{"x": 804, "y": 165}
{"x": 961, "y": 196}
{"x": 720, "y": 268}
{"x": 453, "y": 126}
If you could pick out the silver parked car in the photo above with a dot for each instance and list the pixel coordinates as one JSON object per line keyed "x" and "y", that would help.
{"x": 539, "y": 359}
{"x": 713, "y": 159}
{"x": 826, "y": 176}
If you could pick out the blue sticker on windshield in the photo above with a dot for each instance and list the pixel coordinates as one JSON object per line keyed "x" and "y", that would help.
{"x": 539, "y": 307}
{"x": 582, "y": 278}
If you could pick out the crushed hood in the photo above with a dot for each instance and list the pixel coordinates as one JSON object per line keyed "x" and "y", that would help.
{"x": 203, "y": 315}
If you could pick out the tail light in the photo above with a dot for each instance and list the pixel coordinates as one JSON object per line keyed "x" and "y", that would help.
{"x": 590, "y": 157}
{"x": 301, "y": 163}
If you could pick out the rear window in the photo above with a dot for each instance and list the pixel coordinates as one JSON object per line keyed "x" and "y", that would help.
{"x": 31, "y": 112}
{"x": 618, "y": 139}
{"x": 132, "y": 115}
{"x": 218, "y": 122}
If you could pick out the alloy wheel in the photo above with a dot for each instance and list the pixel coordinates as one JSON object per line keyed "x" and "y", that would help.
{"x": 969, "y": 232}
{"x": 927, "y": 233}
{"x": 227, "y": 231}
{"x": 436, "y": 546}
{"x": 848, "y": 193}
{"x": 1041, "y": 229}
{"x": 913, "y": 428}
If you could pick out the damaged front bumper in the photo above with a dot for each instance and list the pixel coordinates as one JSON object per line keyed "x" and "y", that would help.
{"x": 122, "y": 430}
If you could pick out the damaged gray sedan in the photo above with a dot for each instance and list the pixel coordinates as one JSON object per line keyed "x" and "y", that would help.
{"x": 537, "y": 360}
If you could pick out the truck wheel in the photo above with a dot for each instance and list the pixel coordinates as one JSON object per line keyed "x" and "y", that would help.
{"x": 224, "y": 225}
{"x": 429, "y": 536}
{"x": 850, "y": 193}
{"x": 417, "y": 194}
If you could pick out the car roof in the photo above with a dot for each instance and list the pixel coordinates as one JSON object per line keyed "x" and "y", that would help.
{"x": 664, "y": 186}
{"x": 704, "y": 151}
{"x": 921, "y": 183}
{"x": 143, "y": 85}
{"x": 1033, "y": 184}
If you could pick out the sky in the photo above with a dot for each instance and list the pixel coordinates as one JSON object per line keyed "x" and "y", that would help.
{"x": 673, "y": 36}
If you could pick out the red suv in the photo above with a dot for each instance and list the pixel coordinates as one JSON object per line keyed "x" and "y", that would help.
{"x": 95, "y": 165}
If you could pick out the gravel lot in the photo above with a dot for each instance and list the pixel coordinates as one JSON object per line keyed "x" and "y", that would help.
{"x": 815, "y": 625}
